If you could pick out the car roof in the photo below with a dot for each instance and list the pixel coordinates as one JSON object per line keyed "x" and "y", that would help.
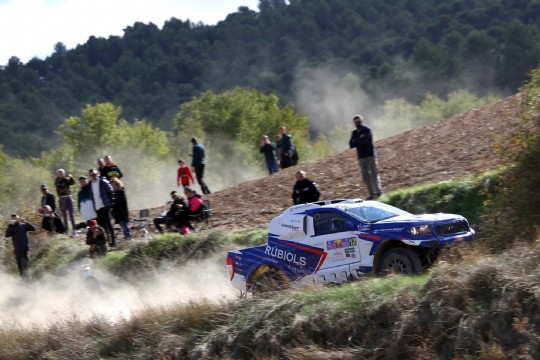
{"x": 340, "y": 204}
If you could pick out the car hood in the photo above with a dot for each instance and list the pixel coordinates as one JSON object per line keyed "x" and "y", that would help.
{"x": 423, "y": 218}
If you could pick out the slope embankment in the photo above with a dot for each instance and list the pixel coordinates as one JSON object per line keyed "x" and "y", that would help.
{"x": 463, "y": 145}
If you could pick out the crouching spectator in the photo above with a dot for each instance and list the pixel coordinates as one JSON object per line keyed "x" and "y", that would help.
{"x": 169, "y": 218}
{"x": 96, "y": 238}
{"x": 50, "y": 220}
{"x": 194, "y": 207}
{"x": 91, "y": 283}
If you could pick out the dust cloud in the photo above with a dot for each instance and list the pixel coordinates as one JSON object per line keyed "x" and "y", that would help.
{"x": 148, "y": 180}
{"x": 55, "y": 299}
{"x": 331, "y": 97}
{"x": 332, "y": 93}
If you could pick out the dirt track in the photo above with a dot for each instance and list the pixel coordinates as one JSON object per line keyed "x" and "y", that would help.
{"x": 467, "y": 144}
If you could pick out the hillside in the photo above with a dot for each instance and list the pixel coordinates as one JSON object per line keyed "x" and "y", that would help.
{"x": 390, "y": 49}
{"x": 474, "y": 304}
{"x": 463, "y": 145}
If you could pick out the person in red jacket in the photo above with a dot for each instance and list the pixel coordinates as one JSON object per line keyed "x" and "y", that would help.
{"x": 184, "y": 175}
{"x": 193, "y": 207}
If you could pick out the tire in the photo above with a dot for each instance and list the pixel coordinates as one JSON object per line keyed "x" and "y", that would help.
{"x": 268, "y": 282}
{"x": 400, "y": 261}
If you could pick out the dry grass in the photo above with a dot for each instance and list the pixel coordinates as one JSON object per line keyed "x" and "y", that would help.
{"x": 474, "y": 305}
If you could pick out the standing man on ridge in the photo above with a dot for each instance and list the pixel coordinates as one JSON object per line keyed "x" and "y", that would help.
{"x": 362, "y": 140}
{"x": 285, "y": 147}
{"x": 198, "y": 162}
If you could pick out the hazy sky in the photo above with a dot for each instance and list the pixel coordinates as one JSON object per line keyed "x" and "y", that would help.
{"x": 30, "y": 28}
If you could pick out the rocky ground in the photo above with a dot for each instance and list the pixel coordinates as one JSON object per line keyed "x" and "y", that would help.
{"x": 467, "y": 144}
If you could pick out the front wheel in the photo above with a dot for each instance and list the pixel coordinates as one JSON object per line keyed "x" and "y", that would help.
{"x": 400, "y": 261}
{"x": 268, "y": 282}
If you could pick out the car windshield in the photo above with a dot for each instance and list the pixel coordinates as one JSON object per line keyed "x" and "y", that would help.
{"x": 377, "y": 212}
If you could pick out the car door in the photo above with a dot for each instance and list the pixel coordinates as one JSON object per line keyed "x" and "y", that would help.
{"x": 335, "y": 233}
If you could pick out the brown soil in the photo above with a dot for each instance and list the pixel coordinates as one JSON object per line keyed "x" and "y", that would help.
{"x": 463, "y": 145}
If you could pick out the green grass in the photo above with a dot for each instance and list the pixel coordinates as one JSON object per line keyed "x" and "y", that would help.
{"x": 54, "y": 253}
{"x": 469, "y": 197}
{"x": 248, "y": 237}
{"x": 364, "y": 295}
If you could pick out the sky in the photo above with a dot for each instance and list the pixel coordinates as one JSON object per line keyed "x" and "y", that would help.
{"x": 31, "y": 28}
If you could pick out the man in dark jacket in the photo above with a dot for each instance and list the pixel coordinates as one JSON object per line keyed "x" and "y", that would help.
{"x": 47, "y": 198}
{"x": 198, "y": 163}
{"x": 269, "y": 151}
{"x": 362, "y": 140}
{"x": 285, "y": 147}
{"x": 170, "y": 217}
{"x": 18, "y": 231}
{"x": 49, "y": 219}
{"x": 102, "y": 196}
{"x": 304, "y": 190}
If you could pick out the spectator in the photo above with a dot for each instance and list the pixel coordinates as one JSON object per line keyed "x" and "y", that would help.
{"x": 169, "y": 218}
{"x": 362, "y": 140}
{"x": 100, "y": 165}
{"x": 86, "y": 204}
{"x": 110, "y": 169}
{"x": 62, "y": 183}
{"x": 269, "y": 151}
{"x": 304, "y": 190}
{"x": 47, "y": 198}
{"x": 102, "y": 195}
{"x": 184, "y": 175}
{"x": 95, "y": 238}
{"x": 49, "y": 219}
{"x": 120, "y": 210}
{"x": 194, "y": 207}
{"x": 277, "y": 141}
{"x": 91, "y": 283}
{"x": 198, "y": 162}
{"x": 285, "y": 145}
{"x": 18, "y": 230}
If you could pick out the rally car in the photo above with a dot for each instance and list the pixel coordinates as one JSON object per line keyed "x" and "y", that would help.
{"x": 334, "y": 241}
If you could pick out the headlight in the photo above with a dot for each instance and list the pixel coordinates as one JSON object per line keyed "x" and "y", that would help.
{"x": 420, "y": 230}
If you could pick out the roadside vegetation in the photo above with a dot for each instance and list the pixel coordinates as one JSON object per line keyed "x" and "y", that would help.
{"x": 475, "y": 303}
{"x": 480, "y": 301}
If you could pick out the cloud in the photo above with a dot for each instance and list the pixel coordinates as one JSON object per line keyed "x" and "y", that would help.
{"x": 31, "y": 28}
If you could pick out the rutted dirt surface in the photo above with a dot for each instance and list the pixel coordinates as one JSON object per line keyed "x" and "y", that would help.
{"x": 467, "y": 144}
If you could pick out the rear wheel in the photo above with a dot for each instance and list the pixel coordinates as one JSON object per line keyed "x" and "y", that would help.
{"x": 400, "y": 261}
{"x": 268, "y": 282}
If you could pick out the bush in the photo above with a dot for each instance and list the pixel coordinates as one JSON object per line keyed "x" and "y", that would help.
{"x": 516, "y": 216}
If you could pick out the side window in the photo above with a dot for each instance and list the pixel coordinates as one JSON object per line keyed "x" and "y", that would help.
{"x": 328, "y": 222}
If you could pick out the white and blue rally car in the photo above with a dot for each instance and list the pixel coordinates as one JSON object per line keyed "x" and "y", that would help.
{"x": 334, "y": 241}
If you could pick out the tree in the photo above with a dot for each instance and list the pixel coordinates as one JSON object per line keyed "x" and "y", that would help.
{"x": 230, "y": 125}
{"x": 141, "y": 150}
{"x": 94, "y": 129}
